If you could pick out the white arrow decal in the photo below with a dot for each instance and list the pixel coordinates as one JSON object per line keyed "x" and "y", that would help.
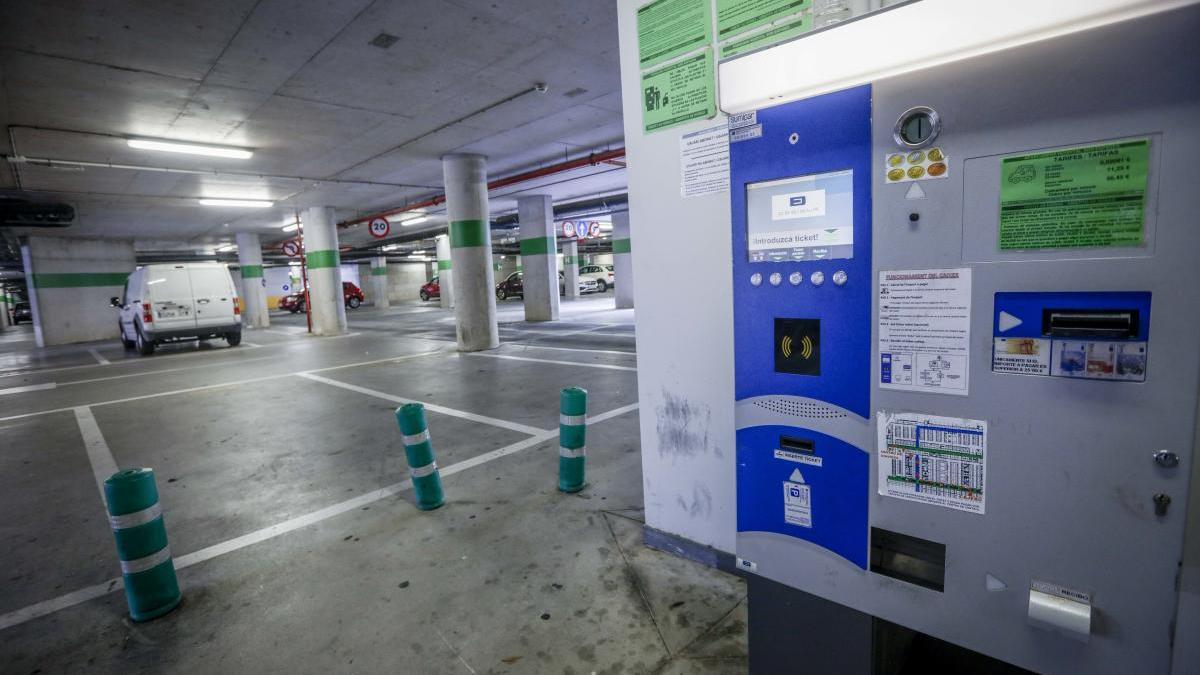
{"x": 1008, "y": 321}
{"x": 796, "y": 476}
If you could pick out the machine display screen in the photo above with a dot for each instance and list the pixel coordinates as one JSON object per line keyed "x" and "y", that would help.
{"x": 801, "y": 218}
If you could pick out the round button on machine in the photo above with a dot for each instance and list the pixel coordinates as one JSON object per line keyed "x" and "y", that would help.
{"x": 756, "y": 279}
{"x": 817, "y": 278}
{"x": 775, "y": 278}
{"x": 795, "y": 278}
{"x": 839, "y": 277}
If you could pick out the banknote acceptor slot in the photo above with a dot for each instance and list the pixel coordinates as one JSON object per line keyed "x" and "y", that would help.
{"x": 794, "y": 444}
{"x": 1106, "y": 324}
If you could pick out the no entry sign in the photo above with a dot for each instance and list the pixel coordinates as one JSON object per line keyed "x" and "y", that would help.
{"x": 291, "y": 248}
{"x": 380, "y": 227}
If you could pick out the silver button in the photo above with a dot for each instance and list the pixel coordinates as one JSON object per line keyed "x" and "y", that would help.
{"x": 756, "y": 279}
{"x": 795, "y": 278}
{"x": 839, "y": 277}
{"x": 776, "y": 278}
{"x": 817, "y": 278}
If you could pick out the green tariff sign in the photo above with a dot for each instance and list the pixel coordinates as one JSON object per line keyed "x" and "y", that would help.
{"x": 679, "y": 93}
{"x": 670, "y": 28}
{"x": 1075, "y": 197}
{"x": 737, "y": 16}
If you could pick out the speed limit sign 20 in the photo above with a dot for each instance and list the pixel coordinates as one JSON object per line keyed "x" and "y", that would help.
{"x": 380, "y": 227}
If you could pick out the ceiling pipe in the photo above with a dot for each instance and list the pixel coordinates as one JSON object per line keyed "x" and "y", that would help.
{"x": 593, "y": 159}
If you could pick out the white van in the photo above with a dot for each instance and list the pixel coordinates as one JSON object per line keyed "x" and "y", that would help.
{"x": 169, "y": 303}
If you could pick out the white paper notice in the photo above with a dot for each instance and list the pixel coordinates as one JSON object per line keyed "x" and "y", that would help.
{"x": 925, "y": 330}
{"x": 933, "y": 460}
{"x": 704, "y": 162}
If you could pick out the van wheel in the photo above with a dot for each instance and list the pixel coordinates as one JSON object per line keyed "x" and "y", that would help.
{"x": 144, "y": 346}
{"x": 354, "y": 303}
{"x": 127, "y": 344}
{"x": 234, "y": 339}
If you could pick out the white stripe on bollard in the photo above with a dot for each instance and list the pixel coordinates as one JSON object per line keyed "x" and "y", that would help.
{"x": 147, "y": 563}
{"x": 136, "y": 518}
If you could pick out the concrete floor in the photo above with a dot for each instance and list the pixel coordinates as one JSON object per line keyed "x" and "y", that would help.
{"x": 283, "y": 482}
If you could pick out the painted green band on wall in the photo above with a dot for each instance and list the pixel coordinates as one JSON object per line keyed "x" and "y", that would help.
{"x": 443, "y": 265}
{"x": 537, "y": 246}
{"x": 379, "y": 271}
{"x": 621, "y": 246}
{"x": 252, "y": 271}
{"x": 321, "y": 259}
{"x": 80, "y": 279}
{"x": 570, "y": 260}
{"x": 464, "y": 233}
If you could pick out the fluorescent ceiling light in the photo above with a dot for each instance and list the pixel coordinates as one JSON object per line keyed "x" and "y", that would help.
{"x": 190, "y": 148}
{"x": 255, "y": 203}
{"x": 390, "y": 247}
{"x": 860, "y": 51}
{"x": 226, "y": 247}
{"x": 292, "y": 227}
{"x": 414, "y": 221}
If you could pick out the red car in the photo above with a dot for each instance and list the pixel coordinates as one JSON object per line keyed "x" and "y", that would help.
{"x": 430, "y": 290}
{"x": 352, "y": 295}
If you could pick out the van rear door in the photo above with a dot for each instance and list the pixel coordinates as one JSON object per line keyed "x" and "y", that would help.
{"x": 215, "y": 296}
{"x": 170, "y": 296}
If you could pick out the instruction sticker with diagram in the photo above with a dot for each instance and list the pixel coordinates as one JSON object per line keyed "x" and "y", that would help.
{"x": 933, "y": 460}
{"x": 925, "y": 330}
{"x": 797, "y": 501}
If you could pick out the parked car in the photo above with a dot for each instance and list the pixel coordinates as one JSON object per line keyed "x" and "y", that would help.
{"x": 431, "y": 290}
{"x": 603, "y": 274}
{"x": 171, "y": 303}
{"x": 21, "y": 312}
{"x": 513, "y": 286}
{"x": 352, "y": 295}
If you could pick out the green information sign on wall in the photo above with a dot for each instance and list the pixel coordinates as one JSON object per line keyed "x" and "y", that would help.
{"x": 670, "y": 28}
{"x": 738, "y": 16}
{"x": 1075, "y": 197}
{"x": 679, "y": 93}
{"x": 766, "y": 38}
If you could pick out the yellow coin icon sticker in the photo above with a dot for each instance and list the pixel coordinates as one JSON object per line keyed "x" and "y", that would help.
{"x": 916, "y": 157}
{"x": 915, "y": 172}
{"x": 895, "y": 174}
{"x": 895, "y": 160}
{"x": 935, "y": 155}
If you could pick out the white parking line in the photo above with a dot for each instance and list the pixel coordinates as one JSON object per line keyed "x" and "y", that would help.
{"x": 606, "y": 366}
{"x": 83, "y": 595}
{"x": 238, "y": 362}
{"x": 99, "y": 456}
{"x": 624, "y": 352}
{"x": 31, "y": 387}
{"x": 207, "y": 387}
{"x": 160, "y": 357}
{"x": 99, "y": 359}
{"x": 504, "y": 424}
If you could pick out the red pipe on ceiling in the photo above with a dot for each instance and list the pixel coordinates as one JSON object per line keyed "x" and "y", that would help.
{"x": 593, "y": 159}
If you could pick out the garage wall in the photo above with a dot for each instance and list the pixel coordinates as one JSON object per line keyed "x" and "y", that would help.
{"x": 685, "y": 347}
{"x": 70, "y": 283}
{"x": 405, "y": 280}
{"x": 280, "y": 282}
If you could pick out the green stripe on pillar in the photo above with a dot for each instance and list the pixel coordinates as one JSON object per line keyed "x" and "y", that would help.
{"x": 621, "y": 246}
{"x": 320, "y": 259}
{"x": 80, "y": 279}
{"x": 252, "y": 271}
{"x": 443, "y": 265}
{"x": 464, "y": 233}
{"x": 570, "y": 260}
{"x": 379, "y": 271}
{"x": 537, "y": 246}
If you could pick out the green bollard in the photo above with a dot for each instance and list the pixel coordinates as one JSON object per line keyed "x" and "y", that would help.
{"x": 137, "y": 524}
{"x": 427, "y": 482}
{"x": 572, "y": 428}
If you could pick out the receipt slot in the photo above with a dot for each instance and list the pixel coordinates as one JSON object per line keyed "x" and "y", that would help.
{"x": 965, "y": 313}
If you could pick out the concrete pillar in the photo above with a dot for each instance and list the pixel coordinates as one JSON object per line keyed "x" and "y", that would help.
{"x": 471, "y": 252}
{"x": 70, "y": 281}
{"x": 324, "y": 271}
{"x": 445, "y": 273}
{"x": 571, "y": 268}
{"x": 254, "y": 293}
{"x": 539, "y": 257}
{"x": 379, "y": 281}
{"x": 622, "y": 260}
{"x": 5, "y": 306}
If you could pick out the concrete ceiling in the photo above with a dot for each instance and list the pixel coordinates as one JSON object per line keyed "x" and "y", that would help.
{"x": 299, "y": 82}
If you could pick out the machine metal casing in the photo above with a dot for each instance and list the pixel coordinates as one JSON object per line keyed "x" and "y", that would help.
{"x": 1070, "y": 469}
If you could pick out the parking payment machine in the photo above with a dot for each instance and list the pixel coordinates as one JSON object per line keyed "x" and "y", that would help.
{"x": 967, "y": 331}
